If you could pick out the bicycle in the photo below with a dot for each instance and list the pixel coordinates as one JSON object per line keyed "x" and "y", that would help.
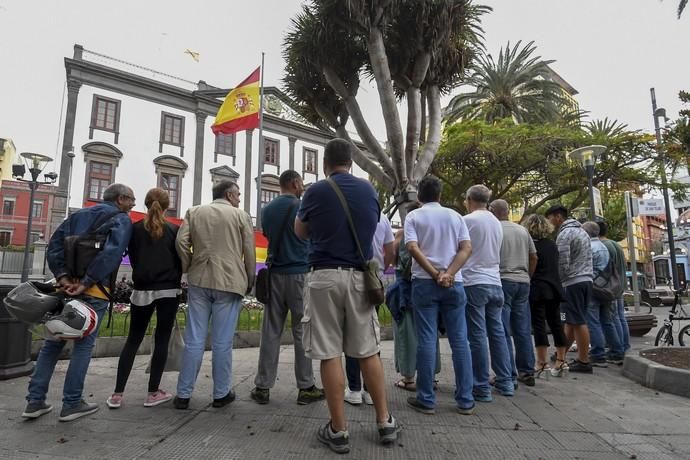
{"x": 665, "y": 335}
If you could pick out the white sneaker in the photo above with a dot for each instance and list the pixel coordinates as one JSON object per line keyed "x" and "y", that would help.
{"x": 367, "y": 398}
{"x": 353, "y": 397}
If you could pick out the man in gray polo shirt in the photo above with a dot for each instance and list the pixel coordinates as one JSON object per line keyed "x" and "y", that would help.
{"x": 518, "y": 261}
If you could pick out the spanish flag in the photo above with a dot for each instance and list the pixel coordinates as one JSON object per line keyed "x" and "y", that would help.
{"x": 240, "y": 110}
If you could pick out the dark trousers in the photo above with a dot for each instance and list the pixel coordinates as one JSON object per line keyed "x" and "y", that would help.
{"x": 543, "y": 312}
{"x": 140, "y": 316}
{"x": 354, "y": 378}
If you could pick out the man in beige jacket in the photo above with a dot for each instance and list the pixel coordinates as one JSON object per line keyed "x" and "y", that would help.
{"x": 216, "y": 245}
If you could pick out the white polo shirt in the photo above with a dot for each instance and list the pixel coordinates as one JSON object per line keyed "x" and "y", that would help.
{"x": 382, "y": 236}
{"x": 486, "y": 234}
{"x": 438, "y": 232}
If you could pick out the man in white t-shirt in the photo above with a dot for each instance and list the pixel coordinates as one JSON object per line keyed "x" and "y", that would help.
{"x": 439, "y": 244}
{"x": 382, "y": 248}
{"x": 482, "y": 279}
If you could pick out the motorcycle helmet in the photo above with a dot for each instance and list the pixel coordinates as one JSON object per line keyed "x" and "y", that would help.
{"x": 76, "y": 321}
{"x": 32, "y": 302}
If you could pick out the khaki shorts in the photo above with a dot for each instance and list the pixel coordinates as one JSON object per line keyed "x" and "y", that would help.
{"x": 337, "y": 316}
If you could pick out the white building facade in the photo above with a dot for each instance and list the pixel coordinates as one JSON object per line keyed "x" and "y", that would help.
{"x": 123, "y": 126}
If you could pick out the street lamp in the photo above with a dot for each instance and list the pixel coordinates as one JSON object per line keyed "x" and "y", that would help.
{"x": 587, "y": 157}
{"x": 660, "y": 112}
{"x": 35, "y": 163}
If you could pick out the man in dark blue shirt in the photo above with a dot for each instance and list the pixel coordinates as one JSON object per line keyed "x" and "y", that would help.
{"x": 338, "y": 316}
{"x": 288, "y": 265}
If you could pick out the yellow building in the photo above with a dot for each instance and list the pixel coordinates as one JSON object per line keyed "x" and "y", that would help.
{"x": 7, "y": 155}
{"x": 641, "y": 254}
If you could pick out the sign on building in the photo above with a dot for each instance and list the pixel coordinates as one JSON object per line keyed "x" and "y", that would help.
{"x": 650, "y": 206}
{"x": 598, "y": 208}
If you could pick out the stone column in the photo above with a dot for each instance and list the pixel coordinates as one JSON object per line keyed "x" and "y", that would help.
{"x": 292, "y": 141}
{"x": 248, "y": 172}
{"x": 39, "y": 258}
{"x": 199, "y": 156}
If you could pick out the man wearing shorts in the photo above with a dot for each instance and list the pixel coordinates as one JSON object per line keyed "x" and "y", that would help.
{"x": 338, "y": 316}
{"x": 575, "y": 269}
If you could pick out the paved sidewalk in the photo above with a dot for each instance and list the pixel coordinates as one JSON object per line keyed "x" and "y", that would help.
{"x": 602, "y": 416}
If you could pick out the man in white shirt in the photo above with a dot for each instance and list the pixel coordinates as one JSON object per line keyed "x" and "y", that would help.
{"x": 482, "y": 279}
{"x": 382, "y": 248}
{"x": 439, "y": 244}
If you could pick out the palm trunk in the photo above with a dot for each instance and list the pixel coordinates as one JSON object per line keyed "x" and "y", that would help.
{"x": 434, "y": 140}
{"x": 365, "y": 163}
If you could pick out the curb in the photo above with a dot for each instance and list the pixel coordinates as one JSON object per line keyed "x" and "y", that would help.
{"x": 657, "y": 376}
{"x": 110, "y": 347}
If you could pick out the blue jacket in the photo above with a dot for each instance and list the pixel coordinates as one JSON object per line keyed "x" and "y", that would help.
{"x": 398, "y": 298}
{"x": 119, "y": 230}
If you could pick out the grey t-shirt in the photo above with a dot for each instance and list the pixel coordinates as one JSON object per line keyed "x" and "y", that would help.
{"x": 515, "y": 250}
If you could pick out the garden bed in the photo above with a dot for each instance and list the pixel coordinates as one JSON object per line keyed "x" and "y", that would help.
{"x": 672, "y": 357}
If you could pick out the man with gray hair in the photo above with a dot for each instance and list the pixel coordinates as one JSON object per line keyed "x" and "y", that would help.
{"x": 220, "y": 271}
{"x": 482, "y": 280}
{"x": 108, "y": 218}
{"x": 600, "y": 318}
{"x": 518, "y": 262}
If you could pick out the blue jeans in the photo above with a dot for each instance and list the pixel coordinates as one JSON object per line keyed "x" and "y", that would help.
{"x": 429, "y": 299}
{"x": 602, "y": 330}
{"x": 622, "y": 325}
{"x": 222, "y": 309}
{"x": 78, "y": 364}
{"x": 517, "y": 322}
{"x": 484, "y": 320}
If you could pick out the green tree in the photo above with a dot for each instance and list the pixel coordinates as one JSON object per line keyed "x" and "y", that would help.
{"x": 527, "y": 165}
{"x": 414, "y": 50}
{"x": 517, "y": 85}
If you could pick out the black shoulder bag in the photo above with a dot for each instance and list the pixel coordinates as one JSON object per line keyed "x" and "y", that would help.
{"x": 263, "y": 278}
{"x": 81, "y": 250}
{"x": 372, "y": 282}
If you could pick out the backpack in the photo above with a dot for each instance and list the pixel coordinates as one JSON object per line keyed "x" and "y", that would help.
{"x": 608, "y": 285}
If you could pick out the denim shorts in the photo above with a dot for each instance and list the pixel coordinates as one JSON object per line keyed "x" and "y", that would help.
{"x": 577, "y": 298}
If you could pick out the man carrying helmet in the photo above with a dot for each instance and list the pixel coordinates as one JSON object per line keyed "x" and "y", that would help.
{"x": 110, "y": 219}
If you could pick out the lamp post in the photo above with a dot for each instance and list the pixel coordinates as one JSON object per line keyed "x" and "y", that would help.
{"x": 587, "y": 157}
{"x": 660, "y": 112}
{"x": 35, "y": 163}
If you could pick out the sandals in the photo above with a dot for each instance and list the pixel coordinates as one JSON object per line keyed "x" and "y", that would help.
{"x": 542, "y": 371}
{"x": 405, "y": 385}
{"x": 560, "y": 369}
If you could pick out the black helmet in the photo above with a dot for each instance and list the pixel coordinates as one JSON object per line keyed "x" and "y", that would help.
{"x": 32, "y": 302}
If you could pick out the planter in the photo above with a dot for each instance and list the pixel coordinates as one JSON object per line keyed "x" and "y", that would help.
{"x": 656, "y": 375}
{"x": 15, "y": 343}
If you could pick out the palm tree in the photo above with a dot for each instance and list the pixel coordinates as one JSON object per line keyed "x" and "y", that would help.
{"x": 517, "y": 85}
{"x": 681, "y": 7}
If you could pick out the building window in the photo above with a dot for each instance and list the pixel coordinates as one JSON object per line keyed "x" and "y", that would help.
{"x": 37, "y": 209}
{"x": 225, "y": 145}
{"x": 35, "y": 237}
{"x": 172, "y": 131}
{"x": 105, "y": 115}
{"x": 270, "y": 188}
{"x": 99, "y": 176}
{"x": 271, "y": 151}
{"x": 309, "y": 159}
{"x": 268, "y": 195}
{"x": 5, "y": 237}
{"x": 8, "y": 207}
{"x": 171, "y": 184}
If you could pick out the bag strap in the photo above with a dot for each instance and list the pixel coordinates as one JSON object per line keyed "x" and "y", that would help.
{"x": 343, "y": 202}
{"x": 281, "y": 234}
{"x": 100, "y": 221}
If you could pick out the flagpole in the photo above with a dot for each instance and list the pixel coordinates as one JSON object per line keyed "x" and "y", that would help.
{"x": 262, "y": 154}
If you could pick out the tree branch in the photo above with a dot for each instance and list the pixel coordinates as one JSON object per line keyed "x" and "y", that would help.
{"x": 365, "y": 162}
{"x": 358, "y": 119}
{"x": 434, "y": 139}
{"x": 414, "y": 110}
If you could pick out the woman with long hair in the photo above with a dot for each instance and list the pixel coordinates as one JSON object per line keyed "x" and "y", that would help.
{"x": 545, "y": 297}
{"x": 156, "y": 272}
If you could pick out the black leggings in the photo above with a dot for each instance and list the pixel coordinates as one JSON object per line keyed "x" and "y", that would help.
{"x": 547, "y": 311}
{"x": 166, "y": 309}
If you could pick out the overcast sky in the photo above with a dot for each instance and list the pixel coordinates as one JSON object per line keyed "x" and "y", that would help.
{"x": 611, "y": 51}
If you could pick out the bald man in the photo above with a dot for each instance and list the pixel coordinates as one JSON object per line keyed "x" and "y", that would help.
{"x": 518, "y": 262}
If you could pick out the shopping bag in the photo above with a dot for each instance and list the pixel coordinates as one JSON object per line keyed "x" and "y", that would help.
{"x": 175, "y": 351}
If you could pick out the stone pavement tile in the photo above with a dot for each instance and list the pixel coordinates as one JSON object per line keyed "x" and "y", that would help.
{"x": 534, "y": 440}
{"x": 675, "y": 443}
{"x": 641, "y": 446}
{"x": 541, "y": 454}
{"x": 588, "y": 442}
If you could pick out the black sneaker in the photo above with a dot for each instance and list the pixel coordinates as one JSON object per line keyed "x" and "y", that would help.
{"x": 36, "y": 409}
{"x": 419, "y": 407}
{"x": 617, "y": 360}
{"x": 181, "y": 403}
{"x": 67, "y": 414}
{"x": 225, "y": 400}
{"x": 527, "y": 379}
{"x": 338, "y": 442}
{"x": 388, "y": 431}
{"x": 261, "y": 395}
{"x": 598, "y": 362}
{"x": 310, "y": 395}
{"x": 579, "y": 366}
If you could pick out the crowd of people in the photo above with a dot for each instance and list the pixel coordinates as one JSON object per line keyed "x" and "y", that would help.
{"x": 489, "y": 284}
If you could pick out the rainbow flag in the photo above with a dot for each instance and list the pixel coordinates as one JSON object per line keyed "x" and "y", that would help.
{"x": 261, "y": 250}
{"x": 240, "y": 110}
